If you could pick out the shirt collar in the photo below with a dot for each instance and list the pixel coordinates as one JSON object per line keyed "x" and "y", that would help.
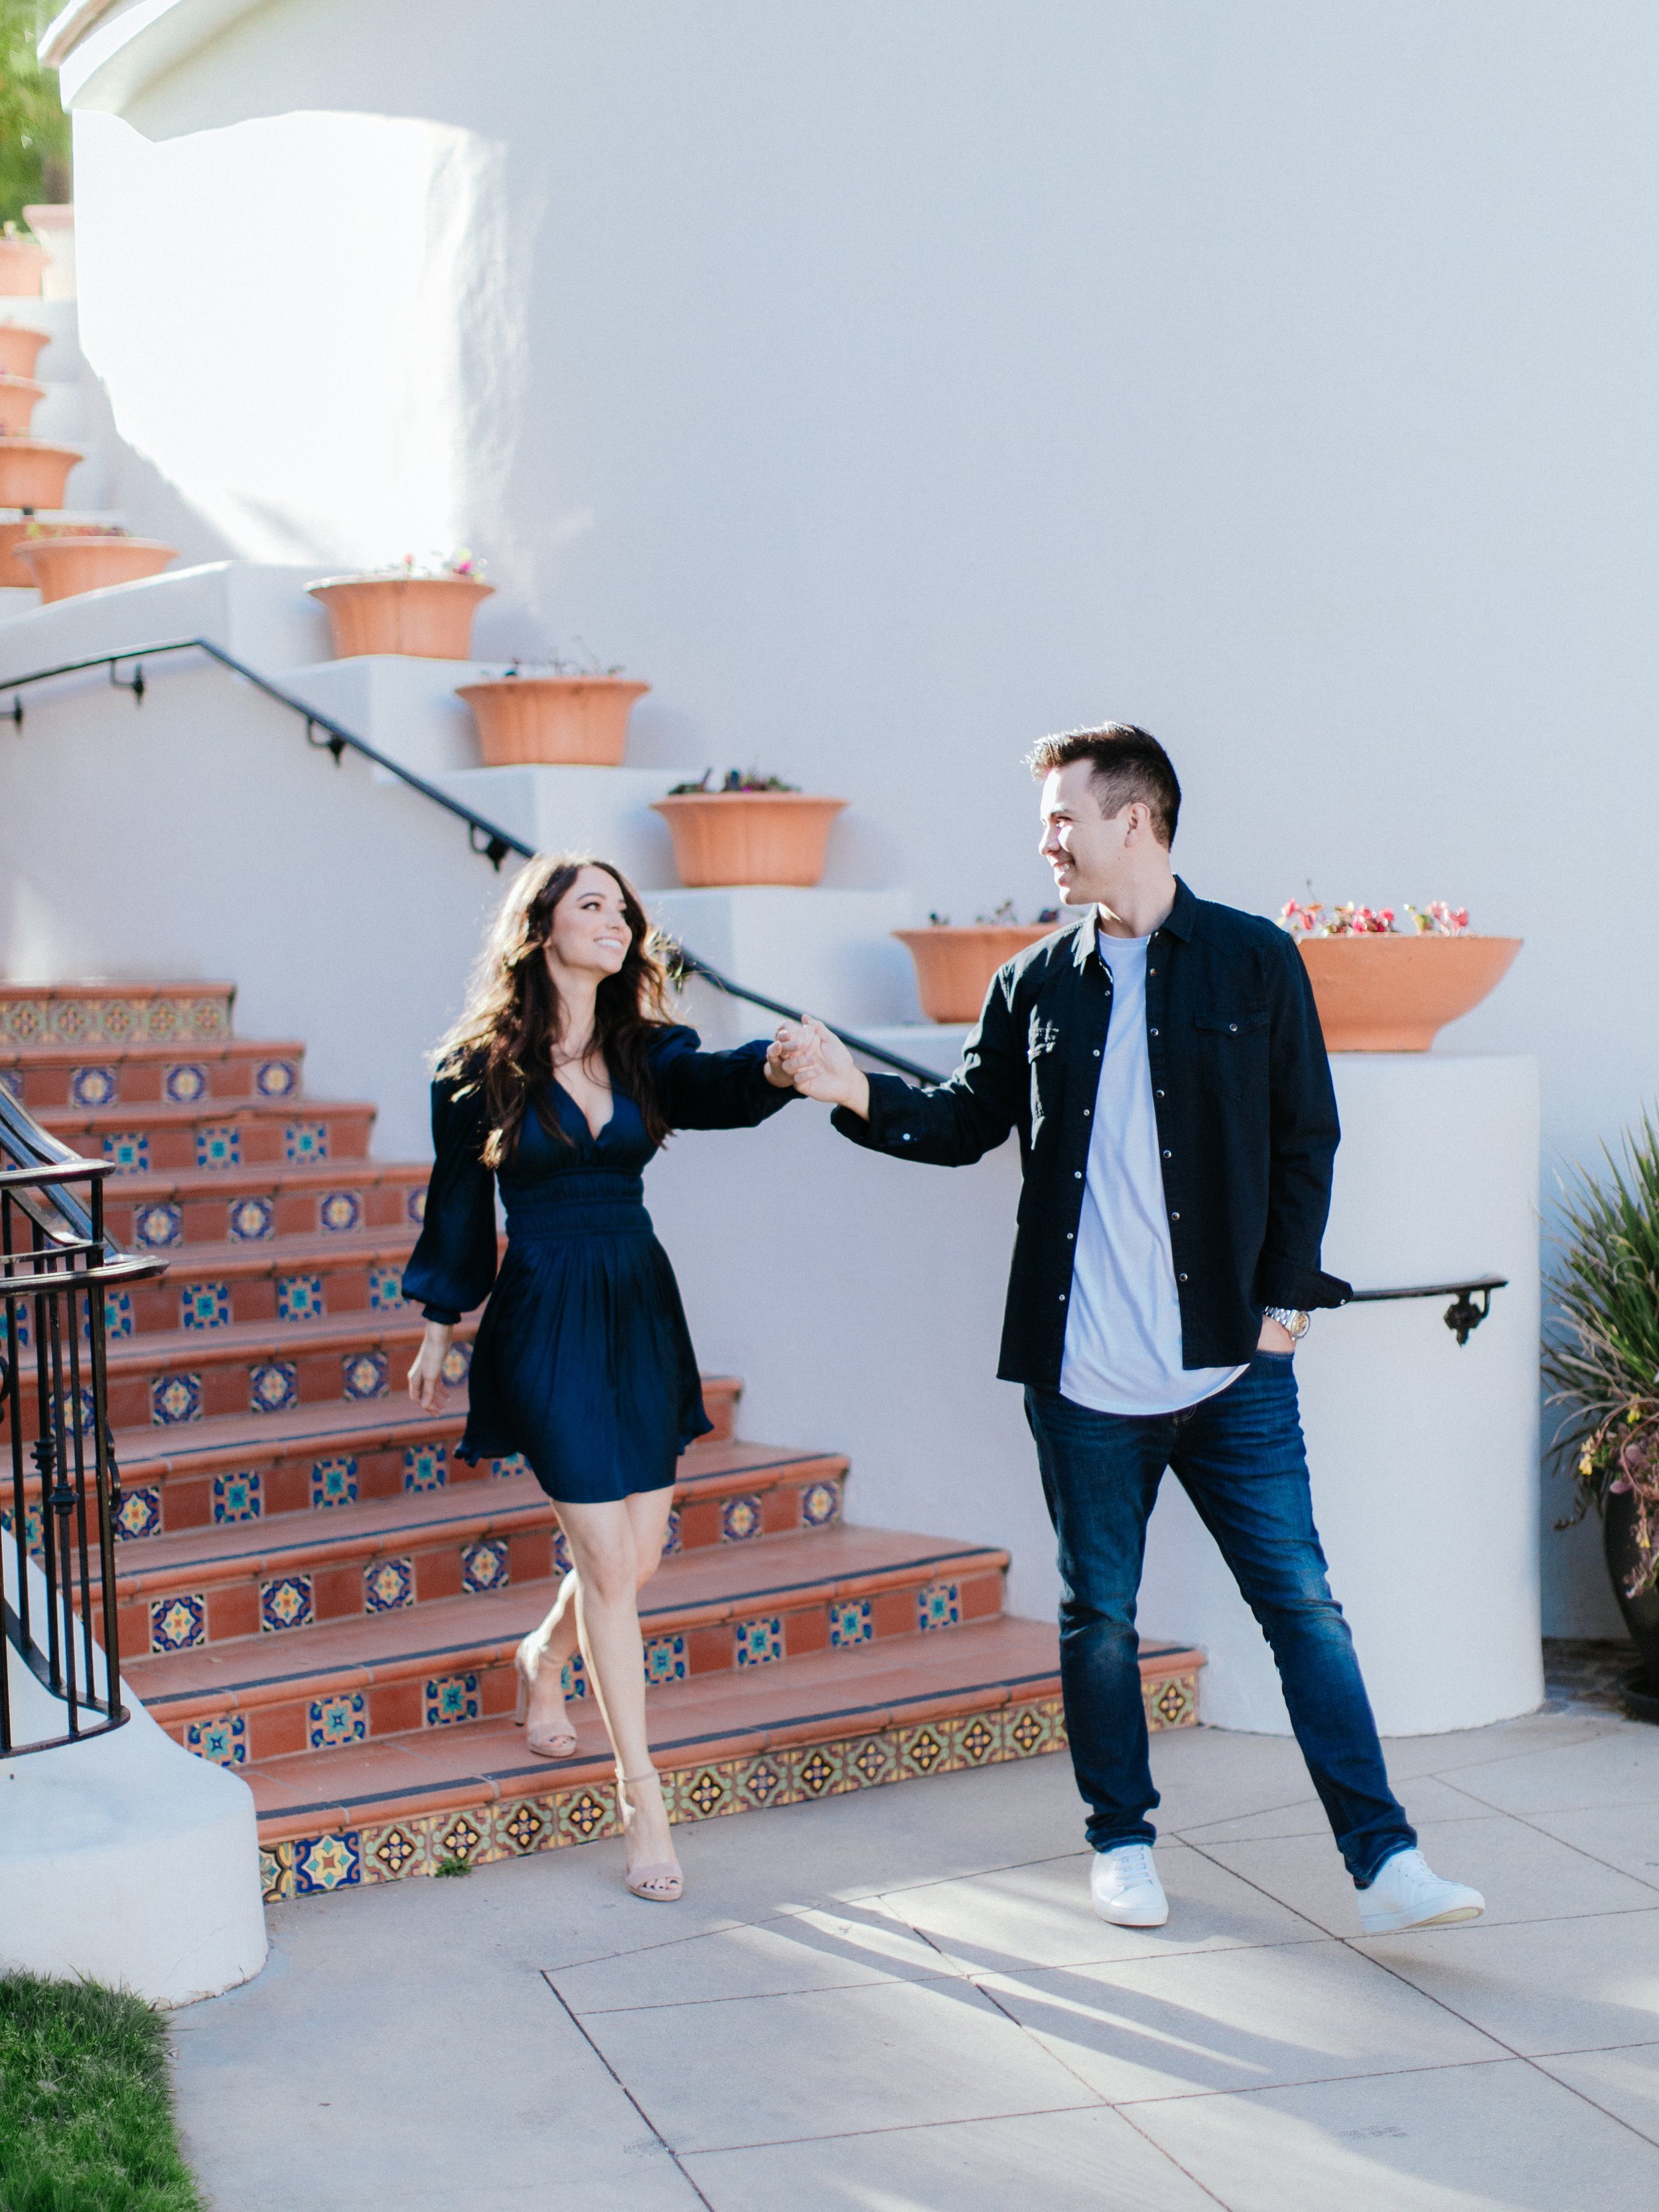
{"x": 1179, "y": 923}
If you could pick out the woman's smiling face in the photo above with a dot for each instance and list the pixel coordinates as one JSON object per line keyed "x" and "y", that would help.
{"x": 589, "y": 931}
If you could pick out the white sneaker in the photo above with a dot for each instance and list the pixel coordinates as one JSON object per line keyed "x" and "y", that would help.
{"x": 1125, "y": 1887}
{"x": 1408, "y": 1893}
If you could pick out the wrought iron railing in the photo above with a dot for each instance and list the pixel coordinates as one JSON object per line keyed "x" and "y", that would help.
{"x": 487, "y": 838}
{"x": 1462, "y": 1317}
{"x": 58, "y": 1606}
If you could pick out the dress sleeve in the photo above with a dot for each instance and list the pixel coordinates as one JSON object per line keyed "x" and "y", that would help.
{"x": 454, "y": 1263}
{"x": 713, "y": 1090}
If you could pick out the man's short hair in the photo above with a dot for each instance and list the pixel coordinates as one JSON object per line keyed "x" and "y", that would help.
{"x": 1129, "y": 763}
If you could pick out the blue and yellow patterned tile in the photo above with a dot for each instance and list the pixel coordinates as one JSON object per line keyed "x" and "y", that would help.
{"x": 466, "y": 1835}
{"x": 299, "y": 1297}
{"x": 740, "y": 1520}
{"x": 869, "y": 1761}
{"x": 506, "y": 1469}
{"x": 397, "y": 1849}
{"x": 665, "y": 1660}
{"x": 705, "y": 1791}
{"x": 672, "y": 1540}
{"x": 388, "y": 1585}
{"x": 585, "y": 1814}
{"x": 253, "y": 1219}
{"x": 522, "y": 1825}
{"x": 458, "y": 1364}
{"x": 139, "y": 1513}
{"x": 978, "y": 1738}
{"x": 183, "y": 1083}
{"x": 925, "y": 1749}
{"x": 178, "y": 1623}
{"x": 340, "y": 1211}
{"x": 128, "y": 1152}
{"x": 426, "y": 1466}
{"x": 1025, "y": 1733}
{"x": 334, "y": 1861}
{"x": 768, "y": 1779}
{"x": 119, "y": 1321}
{"x": 219, "y": 1145}
{"x": 573, "y": 1678}
{"x": 851, "y": 1621}
{"x": 273, "y": 1387}
{"x": 333, "y": 1482}
{"x": 238, "y": 1496}
{"x": 449, "y": 1700}
{"x": 304, "y": 1142}
{"x": 221, "y": 1741}
{"x": 285, "y": 1603}
{"x": 158, "y": 1227}
{"x": 815, "y": 1770}
{"x": 175, "y": 1398}
{"x": 204, "y": 1305}
{"x": 820, "y": 1505}
{"x": 385, "y": 1289}
{"x": 1170, "y": 1701}
{"x": 937, "y": 1606}
{"x": 415, "y": 1207}
{"x": 277, "y": 1078}
{"x": 93, "y": 1086}
{"x": 759, "y": 1643}
{"x": 340, "y": 1719}
{"x": 364, "y": 1375}
{"x": 484, "y": 1565}
{"x": 276, "y": 1872}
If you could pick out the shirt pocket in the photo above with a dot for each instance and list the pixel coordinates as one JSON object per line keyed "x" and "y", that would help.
{"x": 1232, "y": 1047}
{"x": 1043, "y": 1053}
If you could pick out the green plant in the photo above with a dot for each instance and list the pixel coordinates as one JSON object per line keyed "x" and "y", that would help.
{"x": 452, "y": 1866}
{"x": 34, "y": 132}
{"x": 749, "y": 778}
{"x": 1604, "y": 1367}
{"x": 86, "y": 2112}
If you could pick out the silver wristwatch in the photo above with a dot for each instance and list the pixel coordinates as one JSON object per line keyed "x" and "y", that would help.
{"x": 1291, "y": 1319}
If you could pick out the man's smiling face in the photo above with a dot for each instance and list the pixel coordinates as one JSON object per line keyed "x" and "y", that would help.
{"x": 1082, "y": 845}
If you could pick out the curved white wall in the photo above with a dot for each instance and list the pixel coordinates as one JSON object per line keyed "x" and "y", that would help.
{"x": 890, "y": 383}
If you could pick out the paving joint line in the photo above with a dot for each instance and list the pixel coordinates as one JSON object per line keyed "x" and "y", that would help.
{"x": 656, "y": 2131}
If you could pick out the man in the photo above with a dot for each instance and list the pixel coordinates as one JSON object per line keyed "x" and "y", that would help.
{"x": 1163, "y": 1063}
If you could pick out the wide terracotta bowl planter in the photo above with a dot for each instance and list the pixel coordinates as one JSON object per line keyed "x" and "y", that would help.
{"x": 21, "y": 262}
{"x": 67, "y": 565}
{"x": 20, "y": 348}
{"x": 33, "y": 474}
{"x": 955, "y": 963}
{"x": 430, "y": 617}
{"x": 749, "y": 836}
{"x": 1394, "y": 993}
{"x": 558, "y": 720}
{"x": 19, "y": 398}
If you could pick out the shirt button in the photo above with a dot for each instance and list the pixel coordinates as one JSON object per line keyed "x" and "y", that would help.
{"x": 1096, "y": 1052}
{"x": 1232, "y": 1029}
{"x": 1062, "y": 1295}
{"x": 1158, "y": 1094}
{"x": 1169, "y": 1156}
{"x": 1087, "y": 1111}
{"x": 1180, "y": 1279}
{"x": 1151, "y": 1032}
{"x": 1174, "y": 1217}
{"x": 1077, "y": 1173}
{"x": 1071, "y": 1237}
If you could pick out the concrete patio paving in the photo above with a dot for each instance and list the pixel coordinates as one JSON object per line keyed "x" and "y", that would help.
{"x": 899, "y": 1999}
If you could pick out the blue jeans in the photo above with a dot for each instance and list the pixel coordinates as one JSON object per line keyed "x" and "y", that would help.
{"x": 1239, "y": 1456}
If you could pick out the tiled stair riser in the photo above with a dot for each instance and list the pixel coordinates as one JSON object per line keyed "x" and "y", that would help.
{"x": 163, "y": 1214}
{"x": 358, "y": 1285}
{"x": 212, "y": 1380}
{"x": 152, "y": 1076}
{"x": 221, "y": 1135}
{"x": 298, "y": 1859}
{"x": 79, "y": 1015}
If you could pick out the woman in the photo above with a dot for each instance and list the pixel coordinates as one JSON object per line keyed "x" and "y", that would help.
{"x": 561, "y": 1079}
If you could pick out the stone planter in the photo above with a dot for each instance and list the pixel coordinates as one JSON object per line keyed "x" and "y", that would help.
{"x": 19, "y": 398}
{"x": 63, "y": 566}
{"x": 32, "y": 474}
{"x": 1394, "y": 993}
{"x": 20, "y": 348}
{"x": 557, "y": 720}
{"x": 1619, "y": 1548}
{"x": 724, "y": 837}
{"x": 955, "y": 965}
{"x": 428, "y": 616}
{"x": 22, "y": 261}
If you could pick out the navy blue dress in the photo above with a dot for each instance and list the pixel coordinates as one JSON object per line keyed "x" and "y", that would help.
{"x": 583, "y": 1361}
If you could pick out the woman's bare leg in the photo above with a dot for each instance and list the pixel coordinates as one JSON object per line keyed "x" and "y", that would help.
{"x": 607, "y": 1564}
{"x": 557, "y": 1637}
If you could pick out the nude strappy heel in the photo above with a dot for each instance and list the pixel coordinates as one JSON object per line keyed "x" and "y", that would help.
{"x": 541, "y": 1743}
{"x": 660, "y": 1884}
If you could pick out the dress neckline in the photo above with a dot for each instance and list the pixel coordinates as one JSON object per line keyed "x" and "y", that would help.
{"x": 593, "y": 1136}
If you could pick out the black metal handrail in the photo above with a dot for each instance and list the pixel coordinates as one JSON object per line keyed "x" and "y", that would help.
{"x": 56, "y": 1265}
{"x": 487, "y": 838}
{"x": 1462, "y": 1317}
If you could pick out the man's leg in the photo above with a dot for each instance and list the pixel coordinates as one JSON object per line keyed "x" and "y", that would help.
{"x": 1240, "y": 1458}
{"x": 1100, "y": 1476}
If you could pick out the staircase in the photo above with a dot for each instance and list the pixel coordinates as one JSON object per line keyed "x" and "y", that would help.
{"x": 316, "y": 1592}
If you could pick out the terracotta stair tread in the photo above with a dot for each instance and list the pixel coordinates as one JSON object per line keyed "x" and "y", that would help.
{"x": 155, "y": 1184}
{"x": 92, "y": 1053}
{"x": 900, "y": 1682}
{"x": 286, "y": 1542}
{"x": 354, "y": 1330}
{"x": 326, "y": 1424}
{"x": 234, "y": 1256}
{"x": 167, "y": 1113}
{"x": 711, "y": 1583}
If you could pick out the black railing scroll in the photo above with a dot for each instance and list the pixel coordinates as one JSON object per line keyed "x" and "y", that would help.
{"x": 63, "y": 1486}
{"x": 1462, "y": 1317}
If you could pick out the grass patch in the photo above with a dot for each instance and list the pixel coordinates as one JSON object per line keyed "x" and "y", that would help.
{"x": 86, "y": 2107}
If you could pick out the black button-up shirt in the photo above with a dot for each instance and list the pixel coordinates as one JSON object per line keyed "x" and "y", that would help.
{"x": 1246, "y": 1119}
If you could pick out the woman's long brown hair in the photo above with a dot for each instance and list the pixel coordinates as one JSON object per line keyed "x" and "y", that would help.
{"x": 504, "y": 1042}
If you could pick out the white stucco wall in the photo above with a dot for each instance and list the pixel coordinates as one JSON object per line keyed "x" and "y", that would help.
{"x": 890, "y": 383}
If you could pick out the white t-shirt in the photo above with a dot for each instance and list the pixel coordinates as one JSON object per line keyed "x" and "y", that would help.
{"x": 1123, "y": 1331}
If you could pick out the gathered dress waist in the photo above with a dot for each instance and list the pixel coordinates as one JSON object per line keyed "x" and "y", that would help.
{"x": 595, "y": 1204}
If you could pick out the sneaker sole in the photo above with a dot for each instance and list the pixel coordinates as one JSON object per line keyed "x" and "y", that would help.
{"x": 1132, "y": 1920}
{"x": 1395, "y": 1923}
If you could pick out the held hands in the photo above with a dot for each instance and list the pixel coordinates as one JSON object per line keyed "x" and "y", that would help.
{"x": 426, "y": 1376}
{"x": 819, "y": 1065}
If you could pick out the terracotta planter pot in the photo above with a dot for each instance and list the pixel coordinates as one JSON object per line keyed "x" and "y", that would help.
{"x": 67, "y": 565}
{"x": 34, "y": 474}
{"x": 955, "y": 965}
{"x": 1393, "y": 993}
{"x": 553, "y": 720}
{"x": 19, "y": 398}
{"x": 20, "y": 348}
{"x": 430, "y": 617}
{"x": 749, "y": 836}
{"x": 22, "y": 261}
